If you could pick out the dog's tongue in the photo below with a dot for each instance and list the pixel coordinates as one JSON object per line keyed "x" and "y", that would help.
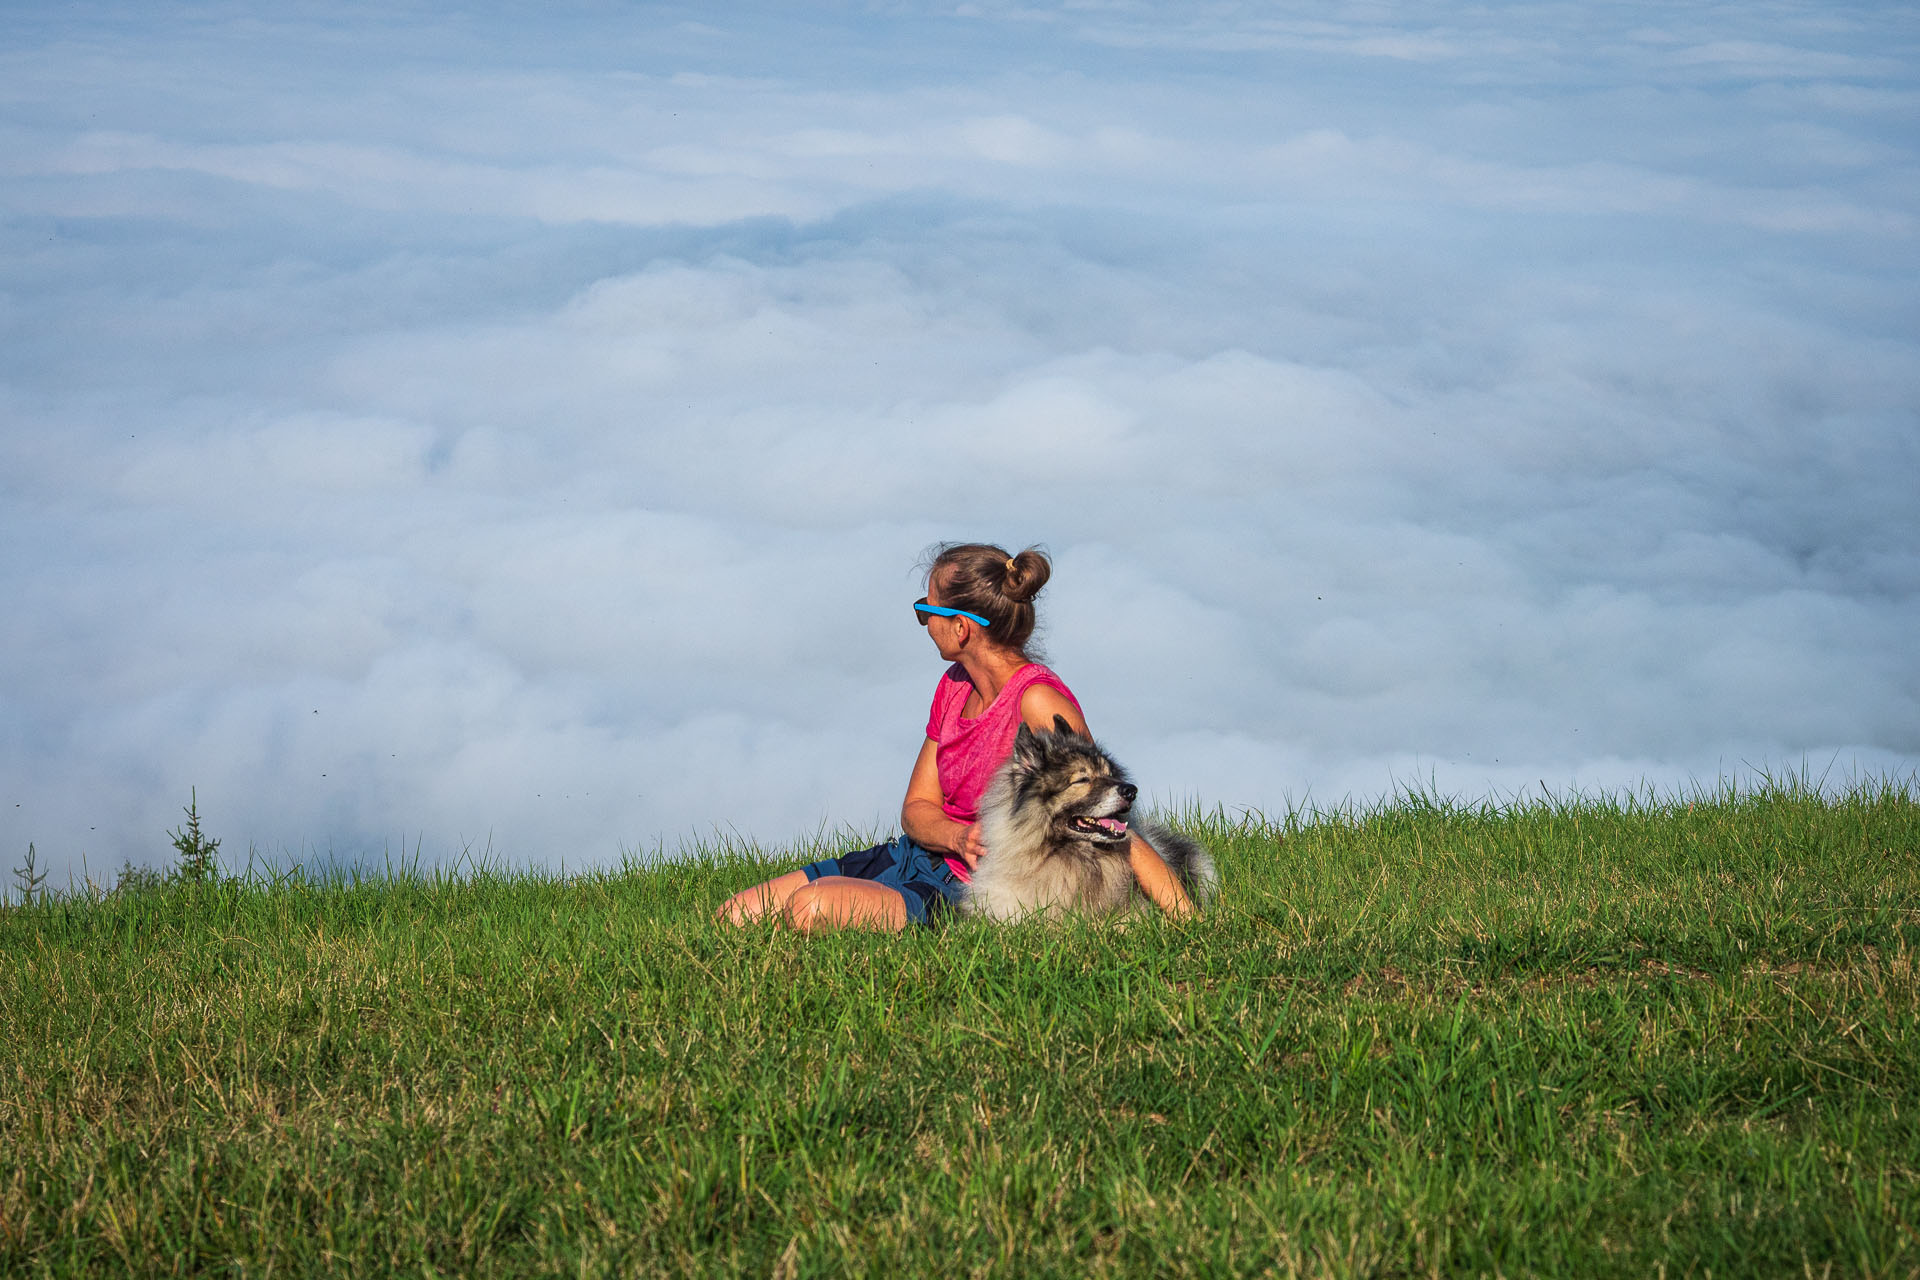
{"x": 1113, "y": 826}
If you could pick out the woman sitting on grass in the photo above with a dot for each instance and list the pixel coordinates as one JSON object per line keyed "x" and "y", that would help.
{"x": 979, "y": 611}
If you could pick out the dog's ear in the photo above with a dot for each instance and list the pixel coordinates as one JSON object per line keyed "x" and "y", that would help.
{"x": 1060, "y": 725}
{"x": 1026, "y": 748}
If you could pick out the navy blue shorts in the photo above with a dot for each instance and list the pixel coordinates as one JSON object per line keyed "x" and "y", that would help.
{"x": 924, "y": 879}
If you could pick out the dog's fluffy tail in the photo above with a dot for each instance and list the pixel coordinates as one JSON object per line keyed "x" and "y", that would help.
{"x": 1186, "y": 858}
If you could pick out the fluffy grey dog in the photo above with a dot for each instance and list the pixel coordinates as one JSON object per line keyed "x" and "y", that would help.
{"x": 1057, "y": 824}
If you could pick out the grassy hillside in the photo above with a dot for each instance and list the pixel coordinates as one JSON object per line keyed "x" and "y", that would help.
{"x": 1581, "y": 1038}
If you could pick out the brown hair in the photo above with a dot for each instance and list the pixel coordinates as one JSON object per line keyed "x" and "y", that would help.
{"x": 984, "y": 579}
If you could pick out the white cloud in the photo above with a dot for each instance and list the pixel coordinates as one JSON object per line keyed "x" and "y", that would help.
{"x": 532, "y": 444}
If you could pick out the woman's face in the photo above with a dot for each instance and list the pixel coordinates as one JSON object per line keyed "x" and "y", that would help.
{"x": 943, "y": 630}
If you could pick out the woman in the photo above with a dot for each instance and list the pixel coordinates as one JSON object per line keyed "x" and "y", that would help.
{"x": 979, "y": 612}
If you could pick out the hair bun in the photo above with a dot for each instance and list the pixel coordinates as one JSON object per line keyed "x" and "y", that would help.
{"x": 1026, "y": 574}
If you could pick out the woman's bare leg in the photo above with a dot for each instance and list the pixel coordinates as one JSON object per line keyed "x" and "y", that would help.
{"x": 841, "y": 902}
{"x": 771, "y": 895}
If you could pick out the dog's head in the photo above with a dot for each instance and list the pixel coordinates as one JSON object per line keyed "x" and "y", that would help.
{"x": 1083, "y": 790}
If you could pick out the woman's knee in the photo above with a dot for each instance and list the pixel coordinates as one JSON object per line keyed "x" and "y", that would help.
{"x": 832, "y": 904}
{"x": 808, "y": 905}
{"x": 803, "y": 906}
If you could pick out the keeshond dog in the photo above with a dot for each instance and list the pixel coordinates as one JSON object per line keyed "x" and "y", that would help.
{"x": 1056, "y": 822}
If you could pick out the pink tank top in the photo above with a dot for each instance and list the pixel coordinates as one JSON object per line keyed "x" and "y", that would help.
{"x": 968, "y": 752}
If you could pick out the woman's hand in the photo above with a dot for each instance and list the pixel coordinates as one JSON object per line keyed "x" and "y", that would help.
{"x": 970, "y": 847}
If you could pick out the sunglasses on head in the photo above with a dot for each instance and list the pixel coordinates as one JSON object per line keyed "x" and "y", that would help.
{"x": 921, "y": 609}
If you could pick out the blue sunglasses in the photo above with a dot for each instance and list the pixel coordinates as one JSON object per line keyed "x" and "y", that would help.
{"x": 921, "y": 609}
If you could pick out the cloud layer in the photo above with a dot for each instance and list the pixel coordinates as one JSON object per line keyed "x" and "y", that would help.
{"x": 450, "y": 430}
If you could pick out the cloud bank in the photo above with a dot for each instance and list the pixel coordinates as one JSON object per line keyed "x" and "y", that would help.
{"x": 439, "y": 431}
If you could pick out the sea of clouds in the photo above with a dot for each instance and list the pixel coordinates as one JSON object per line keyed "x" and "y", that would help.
{"x": 426, "y": 427}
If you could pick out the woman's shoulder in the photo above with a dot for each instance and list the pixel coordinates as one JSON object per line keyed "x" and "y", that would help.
{"x": 1038, "y": 673}
{"x": 1041, "y": 683}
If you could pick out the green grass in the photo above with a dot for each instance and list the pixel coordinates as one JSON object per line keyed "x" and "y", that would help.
{"x": 1584, "y": 1037}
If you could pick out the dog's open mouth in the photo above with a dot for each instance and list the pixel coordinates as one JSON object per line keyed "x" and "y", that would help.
{"x": 1101, "y": 828}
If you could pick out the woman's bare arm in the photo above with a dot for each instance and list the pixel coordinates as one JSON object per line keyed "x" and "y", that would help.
{"x": 922, "y": 818}
{"x": 1157, "y": 881}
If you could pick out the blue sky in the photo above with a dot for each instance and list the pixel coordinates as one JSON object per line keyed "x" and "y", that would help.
{"x": 422, "y": 426}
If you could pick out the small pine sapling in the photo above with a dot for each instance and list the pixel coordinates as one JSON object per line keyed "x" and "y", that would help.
{"x": 196, "y": 863}
{"x": 28, "y": 878}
